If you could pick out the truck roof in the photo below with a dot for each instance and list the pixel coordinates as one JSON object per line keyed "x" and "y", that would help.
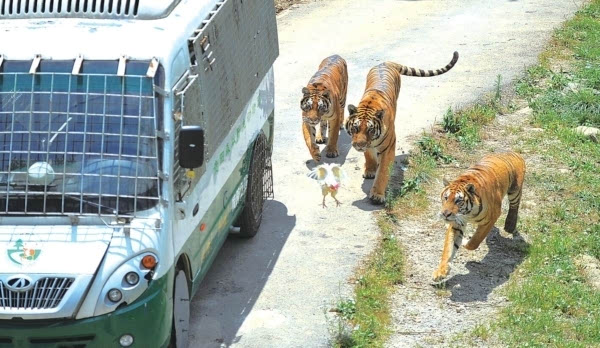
{"x": 156, "y": 28}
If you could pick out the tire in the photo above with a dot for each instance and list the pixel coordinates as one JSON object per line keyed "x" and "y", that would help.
{"x": 251, "y": 216}
{"x": 181, "y": 311}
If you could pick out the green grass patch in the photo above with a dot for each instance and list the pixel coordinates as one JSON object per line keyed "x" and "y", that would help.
{"x": 551, "y": 305}
{"x": 364, "y": 320}
{"x": 369, "y": 312}
{"x": 465, "y": 125}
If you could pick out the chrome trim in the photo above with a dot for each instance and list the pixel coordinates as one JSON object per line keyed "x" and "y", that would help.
{"x": 50, "y": 296}
{"x": 134, "y": 9}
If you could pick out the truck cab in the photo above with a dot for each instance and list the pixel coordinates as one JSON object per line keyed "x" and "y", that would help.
{"x": 135, "y": 136}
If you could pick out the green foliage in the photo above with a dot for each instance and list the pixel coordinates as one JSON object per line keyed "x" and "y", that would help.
{"x": 451, "y": 123}
{"x": 498, "y": 94}
{"x": 369, "y": 312}
{"x": 552, "y": 304}
{"x": 433, "y": 148}
{"x": 346, "y": 309}
{"x": 465, "y": 125}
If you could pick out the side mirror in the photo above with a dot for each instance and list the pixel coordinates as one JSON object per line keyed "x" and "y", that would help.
{"x": 191, "y": 147}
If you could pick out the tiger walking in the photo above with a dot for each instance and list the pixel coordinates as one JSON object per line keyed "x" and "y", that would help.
{"x": 476, "y": 196}
{"x": 371, "y": 124}
{"x": 323, "y": 101}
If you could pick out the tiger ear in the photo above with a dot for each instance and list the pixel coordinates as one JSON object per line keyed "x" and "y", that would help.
{"x": 379, "y": 114}
{"x": 351, "y": 109}
{"x": 445, "y": 181}
{"x": 470, "y": 188}
{"x": 305, "y": 91}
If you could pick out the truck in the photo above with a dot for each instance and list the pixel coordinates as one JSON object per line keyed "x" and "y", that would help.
{"x": 135, "y": 136}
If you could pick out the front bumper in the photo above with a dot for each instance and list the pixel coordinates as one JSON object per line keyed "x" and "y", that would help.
{"x": 148, "y": 320}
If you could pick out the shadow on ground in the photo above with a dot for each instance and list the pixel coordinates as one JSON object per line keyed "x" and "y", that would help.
{"x": 238, "y": 276}
{"x": 344, "y": 146}
{"x": 394, "y": 184}
{"x": 504, "y": 255}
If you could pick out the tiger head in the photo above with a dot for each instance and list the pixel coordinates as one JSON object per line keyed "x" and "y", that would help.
{"x": 364, "y": 125}
{"x": 315, "y": 104}
{"x": 458, "y": 200}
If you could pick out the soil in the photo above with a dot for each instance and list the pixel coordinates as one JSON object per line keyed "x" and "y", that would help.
{"x": 281, "y": 5}
{"x": 427, "y": 314}
{"x": 275, "y": 289}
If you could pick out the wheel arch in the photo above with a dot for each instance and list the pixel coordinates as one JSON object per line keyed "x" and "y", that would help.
{"x": 184, "y": 264}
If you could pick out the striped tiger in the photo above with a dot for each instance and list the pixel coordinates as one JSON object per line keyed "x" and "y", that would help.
{"x": 323, "y": 101}
{"x": 476, "y": 196}
{"x": 371, "y": 124}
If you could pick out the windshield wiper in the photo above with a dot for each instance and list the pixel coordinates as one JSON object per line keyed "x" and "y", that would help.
{"x": 94, "y": 204}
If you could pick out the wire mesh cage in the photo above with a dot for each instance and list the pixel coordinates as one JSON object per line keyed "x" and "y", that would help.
{"x": 268, "y": 175}
{"x": 77, "y": 144}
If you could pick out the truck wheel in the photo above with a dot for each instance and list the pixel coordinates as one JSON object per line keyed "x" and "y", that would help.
{"x": 181, "y": 311}
{"x": 249, "y": 220}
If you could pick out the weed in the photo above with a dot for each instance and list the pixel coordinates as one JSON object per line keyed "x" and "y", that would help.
{"x": 433, "y": 148}
{"x": 346, "y": 309}
{"x": 498, "y": 94}
{"x": 551, "y": 305}
{"x": 450, "y": 122}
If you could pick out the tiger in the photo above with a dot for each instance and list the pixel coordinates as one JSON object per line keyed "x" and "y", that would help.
{"x": 323, "y": 101}
{"x": 371, "y": 124}
{"x": 476, "y": 196}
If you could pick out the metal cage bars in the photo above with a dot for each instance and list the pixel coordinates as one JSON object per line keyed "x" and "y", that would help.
{"x": 117, "y": 120}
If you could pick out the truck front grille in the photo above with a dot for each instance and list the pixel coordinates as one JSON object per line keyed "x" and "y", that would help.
{"x": 62, "y": 342}
{"x": 45, "y": 294}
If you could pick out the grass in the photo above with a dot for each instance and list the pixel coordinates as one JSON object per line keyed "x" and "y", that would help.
{"x": 368, "y": 313}
{"x": 465, "y": 125}
{"x": 551, "y": 304}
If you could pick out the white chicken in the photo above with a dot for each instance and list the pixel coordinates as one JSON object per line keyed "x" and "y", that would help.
{"x": 330, "y": 177}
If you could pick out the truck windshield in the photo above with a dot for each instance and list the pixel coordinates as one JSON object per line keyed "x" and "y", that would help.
{"x": 77, "y": 144}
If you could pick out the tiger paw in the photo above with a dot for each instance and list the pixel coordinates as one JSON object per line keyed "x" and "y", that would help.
{"x": 510, "y": 225}
{"x": 331, "y": 153}
{"x": 376, "y": 198}
{"x": 369, "y": 174}
{"x": 469, "y": 246}
{"x": 441, "y": 273}
{"x": 320, "y": 140}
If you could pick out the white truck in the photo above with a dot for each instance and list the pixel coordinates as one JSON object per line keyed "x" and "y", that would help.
{"x": 135, "y": 136}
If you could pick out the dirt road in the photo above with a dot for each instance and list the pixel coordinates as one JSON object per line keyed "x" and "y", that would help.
{"x": 274, "y": 290}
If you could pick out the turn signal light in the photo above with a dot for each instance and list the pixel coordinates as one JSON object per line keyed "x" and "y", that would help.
{"x": 149, "y": 261}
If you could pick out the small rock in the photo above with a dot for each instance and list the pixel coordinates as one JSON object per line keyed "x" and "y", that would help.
{"x": 529, "y": 204}
{"x": 564, "y": 171}
{"x": 524, "y": 112}
{"x": 590, "y": 267}
{"x": 535, "y": 129}
{"x": 591, "y": 132}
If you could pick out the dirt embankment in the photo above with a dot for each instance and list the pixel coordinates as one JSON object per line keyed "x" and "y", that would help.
{"x": 281, "y": 5}
{"x": 428, "y": 316}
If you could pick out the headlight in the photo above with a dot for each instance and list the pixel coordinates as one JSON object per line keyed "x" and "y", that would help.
{"x": 115, "y": 295}
{"x": 132, "y": 278}
{"x": 126, "y": 340}
{"x": 126, "y": 284}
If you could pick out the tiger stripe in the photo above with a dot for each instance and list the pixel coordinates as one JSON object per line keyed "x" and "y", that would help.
{"x": 408, "y": 71}
{"x": 371, "y": 123}
{"x": 323, "y": 101}
{"x": 476, "y": 196}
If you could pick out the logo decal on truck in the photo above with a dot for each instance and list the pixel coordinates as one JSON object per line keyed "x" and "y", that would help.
{"x": 23, "y": 253}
